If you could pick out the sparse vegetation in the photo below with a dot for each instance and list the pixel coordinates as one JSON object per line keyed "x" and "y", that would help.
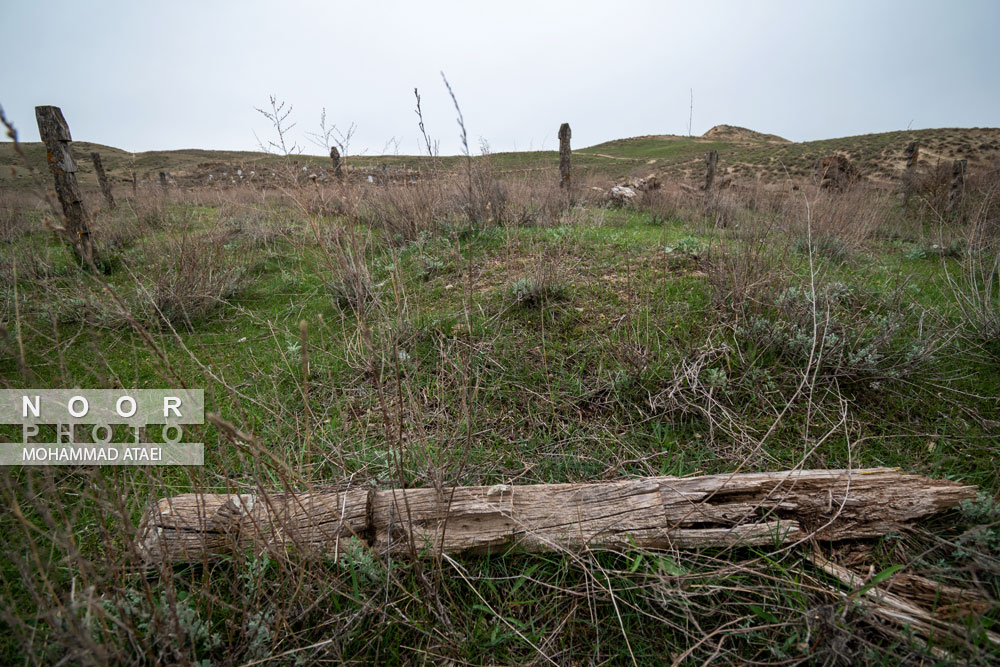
{"x": 438, "y": 326}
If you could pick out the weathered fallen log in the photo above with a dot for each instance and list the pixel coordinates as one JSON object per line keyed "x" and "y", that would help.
{"x": 657, "y": 512}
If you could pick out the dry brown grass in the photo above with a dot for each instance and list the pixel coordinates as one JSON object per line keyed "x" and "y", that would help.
{"x": 841, "y": 223}
{"x": 403, "y": 212}
{"x": 191, "y": 277}
{"x": 15, "y": 219}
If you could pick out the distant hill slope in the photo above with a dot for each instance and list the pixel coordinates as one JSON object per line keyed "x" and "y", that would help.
{"x": 744, "y": 153}
{"x": 119, "y": 164}
{"x": 748, "y": 154}
{"x": 736, "y": 133}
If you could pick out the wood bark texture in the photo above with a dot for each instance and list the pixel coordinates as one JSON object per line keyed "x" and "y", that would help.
{"x": 102, "y": 179}
{"x": 657, "y": 512}
{"x": 711, "y": 160}
{"x": 54, "y": 132}
{"x": 957, "y": 184}
{"x": 912, "y": 154}
{"x": 335, "y": 159}
{"x": 564, "y": 154}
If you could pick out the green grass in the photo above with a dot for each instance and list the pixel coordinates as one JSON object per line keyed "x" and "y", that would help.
{"x": 568, "y": 387}
{"x": 621, "y": 292}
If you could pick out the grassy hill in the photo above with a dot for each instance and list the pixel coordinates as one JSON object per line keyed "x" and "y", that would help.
{"x": 878, "y": 156}
{"x": 743, "y": 153}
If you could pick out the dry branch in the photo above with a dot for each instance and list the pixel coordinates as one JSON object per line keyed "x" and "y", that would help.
{"x": 657, "y": 512}
{"x": 901, "y": 611}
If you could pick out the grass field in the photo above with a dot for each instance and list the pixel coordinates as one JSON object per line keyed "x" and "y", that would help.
{"x": 436, "y": 335}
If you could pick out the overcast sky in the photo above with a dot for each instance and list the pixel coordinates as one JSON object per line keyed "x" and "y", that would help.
{"x": 145, "y": 75}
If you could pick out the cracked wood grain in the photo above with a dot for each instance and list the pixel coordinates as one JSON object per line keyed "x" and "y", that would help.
{"x": 657, "y": 512}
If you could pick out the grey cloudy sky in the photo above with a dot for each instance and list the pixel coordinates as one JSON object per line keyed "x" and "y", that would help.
{"x": 187, "y": 74}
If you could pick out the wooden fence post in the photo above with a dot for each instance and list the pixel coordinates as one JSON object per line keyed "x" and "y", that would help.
{"x": 711, "y": 160}
{"x": 54, "y": 132}
{"x": 957, "y": 185}
{"x": 912, "y": 154}
{"x": 564, "y": 152}
{"x": 132, "y": 175}
{"x": 335, "y": 158}
{"x": 102, "y": 179}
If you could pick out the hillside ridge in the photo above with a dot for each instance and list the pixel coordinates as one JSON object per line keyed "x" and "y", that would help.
{"x": 743, "y": 153}
{"x": 737, "y": 133}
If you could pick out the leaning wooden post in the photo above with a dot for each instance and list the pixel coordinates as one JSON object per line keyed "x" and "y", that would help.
{"x": 54, "y": 131}
{"x": 335, "y": 158}
{"x": 163, "y": 180}
{"x": 957, "y": 185}
{"x": 711, "y": 160}
{"x": 912, "y": 154}
{"x": 564, "y": 152}
{"x": 102, "y": 179}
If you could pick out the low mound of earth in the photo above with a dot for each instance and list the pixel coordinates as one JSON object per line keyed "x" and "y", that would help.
{"x": 736, "y": 133}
